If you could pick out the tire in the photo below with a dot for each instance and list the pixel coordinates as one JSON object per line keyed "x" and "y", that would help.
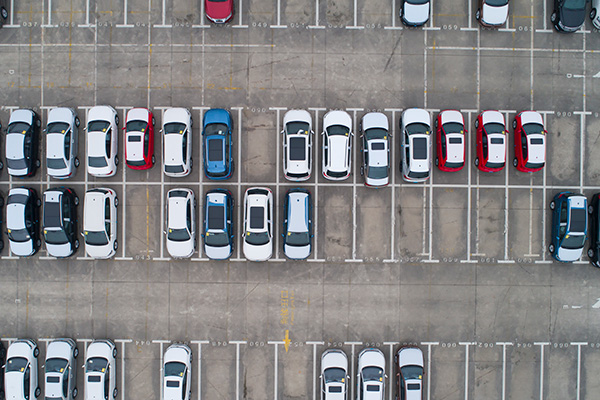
{"x": 77, "y": 122}
{"x": 116, "y": 202}
{"x": 476, "y": 123}
{"x": 477, "y": 161}
{"x": 191, "y": 122}
{"x": 552, "y": 205}
{"x": 37, "y": 163}
{"x": 514, "y": 124}
{"x": 1, "y": 165}
{"x": 592, "y": 14}
{"x": 4, "y": 13}
{"x": 76, "y": 201}
{"x": 36, "y": 353}
{"x": 1, "y": 248}
{"x": 437, "y": 162}
{"x": 116, "y": 160}
{"x": 115, "y": 247}
{"x": 478, "y": 15}
{"x": 551, "y": 248}
{"x": 115, "y": 349}
{"x": 75, "y": 352}
{"x": 75, "y": 391}
{"x": 38, "y": 203}
{"x": 38, "y": 123}
{"x": 38, "y": 391}
{"x": 38, "y": 244}
{"x": 117, "y": 120}
{"x": 553, "y": 17}
{"x": 515, "y": 162}
{"x": 590, "y": 209}
{"x": 590, "y": 253}
{"x": 153, "y": 159}
{"x": 153, "y": 121}
{"x": 76, "y": 162}
{"x": 76, "y": 247}
{"x": 436, "y": 122}
{"x": 1, "y": 201}
{"x": 115, "y": 391}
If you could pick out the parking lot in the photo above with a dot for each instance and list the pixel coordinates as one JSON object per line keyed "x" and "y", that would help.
{"x": 458, "y": 264}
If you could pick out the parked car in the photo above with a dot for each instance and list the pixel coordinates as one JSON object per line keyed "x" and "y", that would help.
{"x": 375, "y": 148}
{"x": 569, "y": 15}
{"x": 177, "y": 142}
{"x": 297, "y": 145}
{"x": 60, "y": 370}
{"x": 569, "y": 226}
{"x": 2, "y": 366}
{"x": 409, "y": 371}
{"x": 3, "y": 12}
{"x": 491, "y": 141}
{"x": 100, "y": 223}
{"x": 218, "y": 229}
{"x": 218, "y": 144}
{"x": 594, "y": 16}
{"x": 102, "y": 141}
{"x": 594, "y": 216}
{"x": 177, "y": 373}
{"x": 258, "y": 224}
{"x": 530, "y": 141}
{"x": 59, "y": 222}
{"x": 1, "y": 245}
{"x": 334, "y": 375}
{"x": 415, "y": 126}
{"x": 23, "y": 221}
{"x": 492, "y": 13}
{"x": 219, "y": 11}
{"x": 297, "y": 224}
{"x": 100, "y": 370}
{"x": 337, "y": 145}
{"x": 22, "y": 143}
{"x": 181, "y": 223}
{"x": 139, "y": 139}
{"x": 415, "y": 12}
{"x": 62, "y": 142}
{"x": 370, "y": 382}
{"x": 450, "y": 143}
{"x": 21, "y": 370}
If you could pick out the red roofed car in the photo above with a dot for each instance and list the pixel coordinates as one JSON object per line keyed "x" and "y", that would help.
{"x": 219, "y": 11}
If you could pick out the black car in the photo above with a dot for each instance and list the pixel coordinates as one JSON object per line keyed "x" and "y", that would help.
{"x": 594, "y": 230}
{"x": 568, "y": 15}
{"x": 22, "y": 143}
{"x": 23, "y": 222}
{"x": 60, "y": 222}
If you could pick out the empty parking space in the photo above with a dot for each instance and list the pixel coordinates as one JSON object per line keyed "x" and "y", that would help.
{"x": 225, "y": 366}
{"x": 449, "y": 366}
{"x": 373, "y": 224}
{"x": 523, "y": 371}
{"x": 563, "y": 144}
{"x": 450, "y": 228}
{"x": 561, "y": 371}
{"x": 525, "y": 218}
{"x": 487, "y": 371}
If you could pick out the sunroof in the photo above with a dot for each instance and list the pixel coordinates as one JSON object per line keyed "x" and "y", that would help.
{"x": 257, "y": 217}
{"x": 215, "y": 150}
{"x": 216, "y": 217}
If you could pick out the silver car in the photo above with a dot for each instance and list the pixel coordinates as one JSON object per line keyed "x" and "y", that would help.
{"x": 61, "y": 370}
{"x": 62, "y": 142}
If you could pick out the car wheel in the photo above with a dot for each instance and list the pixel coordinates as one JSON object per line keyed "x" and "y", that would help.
{"x": 36, "y": 352}
{"x": 191, "y": 162}
{"x": 38, "y": 123}
{"x": 590, "y": 253}
{"x": 477, "y": 123}
{"x": 38, "y": 244}
{"x": 514, "y": 124}
{"x": 115, "y": 245}
{"x": 553, "y": 17}
{"x": 436, "y": 122}
{"x": 38, "y": 203}
{"x": 191, "y": 122}
{"x": 1, "y": 165}
{"x": 478, "y": 15}
{"x": 590, "y": 209}
{"x": 115, "y": 391}
{"x": 515, "y": 162}
{"x": 76, "y": 162}
{"x": 116, "y": 160}
{"x": 476, "y": 161}
{"x": 116, "y": 119}
{"x": 38, "y": 391}
{"x": 76, "y": 200}
{"x": 77, "y": 122}
{"x": 1, "y": 248}
{"x": 4, "y": 12}
{"x": 153, "y": 121}
{"x": 1, "y": 201}
{"x": 37, "y": 163}
{"x": 552, "y": 205}
{"x": 362, "y": 170}
{"x": 153, "y": 159}
{"x": 115, "y": 349}
{"x": 75, "y": 352}
{"x": 551, "y": 248}
{"x": 75, "y": 391}
{"x": 400, "y": 12}
{"x": 76, "y": 247}
{"x": 592, "y": 13}
{"x": 437, "y": 161}
{"x": 116, "y": 202}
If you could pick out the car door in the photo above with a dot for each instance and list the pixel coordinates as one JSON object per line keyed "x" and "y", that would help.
{"x": 107, "y": 214}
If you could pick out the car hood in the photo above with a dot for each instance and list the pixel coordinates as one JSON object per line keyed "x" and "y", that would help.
{"x": 22, "y": 249}
{"x": 415, "y": 115}
{"x": 59, "y": 349}
{"x": 338, "y": 148}
{"x": 60, "y": 114}
{"x": 181, "y": 249}
{"x": 337, "y": 118}
{"x": 218, "y": 10}
{"x": 217, "y": 115}
{"x": 452, "y": 116}
{"x": 371, "y": 358}
{"x": 375, "y": 120}
{"x": 177, "y": 354}
{"x": 13, "y": 382}
{"x": 297, "y": 115}
{"x": 334, "y": 359}
{"x": 100, "y": 252}
{"x": 492, "y": 117}
{"x": 176, "y": 115}
{"x": 572, "y": 19}
{"x": 138, "y": 114}
{"x": 218, "y": 253}
{"x": 59, "y": 250}
{"x": 497, "y": 152}
{"x": 21, "y": 116}
{"x": 410, "y": 356}
{"x": 494, "y": 15}
{"x": 101, "y": 113}
{"x": 258, "y": 253}
{"x": 297, "y": 252}
{"x": 416, "y": 13}
{"x": 569, "y": 254}
{"x": 528, "y": 117}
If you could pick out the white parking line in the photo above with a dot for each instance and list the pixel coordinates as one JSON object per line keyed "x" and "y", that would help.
{"x": 278, "y": 25}
{"x": 354, "y": 195}
{"x": 164, "y": 17}
{"x": 355, "y": 26}
{"x": 237, "y": 366}
{"x": 579, "y": 344}
{"x": 125, "y": 13}
{"x": 202, "y": 23}
{"x": 506, "y": 194}
{"x": 542, "y": 365}
{"x": 315, "y": 171}
{"x": 239, "y": 201}
{"x": 393, "y": 188}
{"x": 240, "y": 12}
{"x": 123, "y": 341}
{"x": 277, "y": 165}
{"x": 429, "y": 344}
{"x": 391, "y": 364}
{"x": 470, "y": 27}
{"x": 469, "y": 191}
{"x": 316, "y": 25}
{"x": 12, "y": 13}
{"x": 49, "y": 24}
{"x": 544, "y": 18}
{"x": 466, "y": 344}
{"x": 352, "y": 376}
{"x": 393, "y": 18}
{"x": 87, "y": 17}
{"x": 85, "y": 346}
{"x": 162, "y": 189}
{"x": 504, "y": 344}
{"x": 199, "y": 343}
{"x": 124, "y": 180}
{"x": 276, "y": 368}
{"x": 314, "y": 344}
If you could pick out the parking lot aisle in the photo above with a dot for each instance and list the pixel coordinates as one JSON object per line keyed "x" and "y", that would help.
{"x": 316, "y": 172}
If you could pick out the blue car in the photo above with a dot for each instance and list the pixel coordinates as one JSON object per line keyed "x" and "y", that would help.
{"x": 569, "y": 226}
{"x": 218, "y": 224}
{"x": 218, "y": 144}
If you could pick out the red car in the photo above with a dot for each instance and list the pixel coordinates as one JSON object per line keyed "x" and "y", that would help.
{"x": 450, "y": 141}
{"x": 139, "y": 138}
{"x": 219, "y": 11}
{"x": 530, "y": 141}
{"x": 491, "y": 141}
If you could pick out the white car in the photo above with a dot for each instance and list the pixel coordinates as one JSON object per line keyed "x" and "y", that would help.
{"x": 297, "y": 224}
{"x": 416, "y": 145}
{"x": 415, "y": 12}
{"x": 60, "y": 369}
{"x": 334, "y": 375}
{"x": 451, "y": 133}
{"x": 22, "y": 142}
{"x": 101, "y": 371}
{"x": 492, "y": 13}
{"x": 100, "y": 223}
{"x": 370, "y": 382}
{"x": 139, "y": 138}
{"x": 337, "y": 145}
{"x": 258, "y": 224}
{"x": 22, "y": 221}
{"x": 177, "y": 142}
{"x": 62, "y": 142}
{"x": 181, "y": 223}
{"x": 410, "y": 371}
{"x": 594, "y": 15}
{"x": 375, "y": 148}
{"x": 21, "y": 370}
{"x": 177, "y": 373}
{"x": 297, "y": 145}
{"x": 102, "y": 141}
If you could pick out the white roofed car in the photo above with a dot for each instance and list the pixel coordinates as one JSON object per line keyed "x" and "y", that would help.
{"x": 100, "y": 223}
{"x": 334, "y": 375}
{"x": 492, "y": 13}
{"x": 177, "y": 373}
{"x": 415, "y": 127}
{"x": 410, "y": 371}
{"x": 21, "y": 370}
{"x": 415, "y": 12}
{"x": 60, "y": 370}
{"x": 102, "y": 141}
{"x": 375, "y": 147}
{"x": 491, "y": 141}
{"x": 139, "y": 138}
{"x": 181, "y": 223}
{"x": 22, "y": 221}
{"x": 529, "y": 141}
{"x": 177, "y": 142}
{"x": 258, "y": 224}
{"x": 337, "y": 145}
{"x": 62, "y": 142}
{"x": 101, "y": 370}
{"x": 22, "y": 142}
{"x": 297, "y": 145}
{"x": 370, "y": 382}
{"x": 450, "y": 141}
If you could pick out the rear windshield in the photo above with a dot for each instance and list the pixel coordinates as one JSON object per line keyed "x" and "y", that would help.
{"x": 455, "y": 140}
{"x": 537, "y": 141}
{"x": 378, "y": 146}
{"x": 136, "y": 126}
{"x": 497, "y": 141}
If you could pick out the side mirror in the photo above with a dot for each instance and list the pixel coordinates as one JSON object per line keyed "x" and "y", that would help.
{"x": 165, "y": 232}
{"x": 81, "y": 233}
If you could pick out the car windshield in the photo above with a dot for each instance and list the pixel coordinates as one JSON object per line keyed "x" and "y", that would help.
{"x": 294, "y": 128}
{"x": 178, "y": 235}
{"x": 257, "y": 239}
{"x": 217, "y": 239}
{"x": 453, "y": 127}
{"x": 376, "y": 133}
{"x": 57, "y": 127}
{"x": 136, "y": 126}
{"x": 56, "y": 163}
{"x": 372, "y": 374}
{"x": 533, "y": 129}
{"x": 418, "y": 1}
{"x": 419, "y": 148}
{"x": 297, "y": 149}
{"x": 297, "y": 239}
{"x": 96, "y": 238}
{"x": 338, "y": 130}
{"x": 215, "y": 129}
{"x": 378, "y": 172}
{"x": 173, "y": 168}
{"x": 412, "y": 372}
{"x": 174, "y": 369}
{"x": 16, "y": 364}
{"x": 573, "y": 242}
{"x": 494, "y": 127}
{"x": 98, "y": 126}
{"x": 334, "y": 375}
{"x": 97, "y": 162}
{"x": 174, "y": 127}
{"x": 575, "y": 5}
{"x": 19, "y": 235}
{"x": 17, "y": 127}
{"x": 96, "y": 364}
{"x": 417, "y": 128}
{"x": 56, "y": 365}
{"x": 497, "y": 3}
{"x": 55, "y": 236}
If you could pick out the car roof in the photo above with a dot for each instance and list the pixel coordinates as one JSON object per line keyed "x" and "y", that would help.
{"x": 97, "y": 143}
{"x": 177, "y": 209}
{"x": 338, "y": 153}
{"x": 173, "y": 149}
{"x": 378, "y": 157}
{"x": 52, "y": 208}
{"x": 55, "y": 145}
{"x": 298, "y": 212}
{"x": 93, "y": 218}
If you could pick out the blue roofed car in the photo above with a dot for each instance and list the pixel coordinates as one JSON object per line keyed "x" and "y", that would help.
{"x": 297, "y": 224}
{"x": 218, "y": 224}
{"x": 218, "y": 144}
{"x": 569, "y": 226}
